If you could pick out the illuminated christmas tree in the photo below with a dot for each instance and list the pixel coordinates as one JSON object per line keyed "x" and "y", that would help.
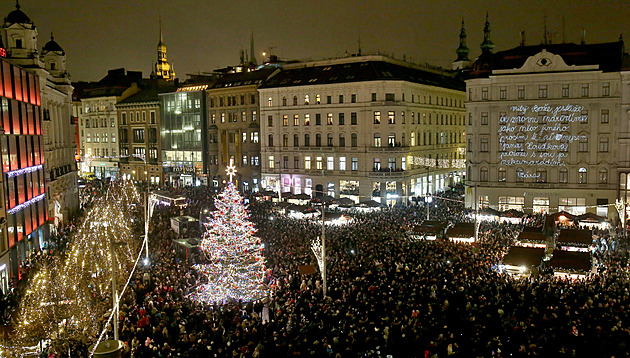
{"x": 235, "y": 266}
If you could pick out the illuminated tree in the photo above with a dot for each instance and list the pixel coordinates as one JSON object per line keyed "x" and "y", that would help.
{"x": 68, "y": 296}
{"x": 235, "y": 266}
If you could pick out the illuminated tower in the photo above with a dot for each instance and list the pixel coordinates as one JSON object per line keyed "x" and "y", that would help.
{"x": 162, "y": 68}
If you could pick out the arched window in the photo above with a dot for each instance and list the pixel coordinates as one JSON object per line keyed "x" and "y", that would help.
{"x": 413, "y": 139}
{"x": 582, "y": 176}
{"x": 285, "y": 140}
{"x": 501, "y": 175}
{"x": 329, "y": 140}
{"x": 295, "y": 100}
{"x": 284, "y": 101}
{"x": 563, "y": 176}
{"x": 296, "y": 140}
{"x": 270, "y": 142}
{"x": 483, "y": 174}
{"x": 541, "y": 175}
{"x": 354, "y": 140}
{"x": 307, "y": 140}
{"x": 318, "y": 99}
{"x": 306, "y": 99}
{"x": 318, "y": 140}
{"x": 342, "y": 140}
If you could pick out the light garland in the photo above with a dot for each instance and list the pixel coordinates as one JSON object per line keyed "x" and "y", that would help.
{"x": 32, "y": 201}
{"x": 236, "y": 267}
{"x": 316, "y": 247}
{"x": 15, "y": 173}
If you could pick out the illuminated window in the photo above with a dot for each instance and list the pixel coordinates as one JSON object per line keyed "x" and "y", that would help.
{"x": 582, "y": 176}
{"x": 243, "y": 116}
{"x": 391, "y": 117}
{"x": 318, "y": 99}
{"x": 330, "y": 163}
{"x": 541, "y": 175}
{"x": 318, "y": 163}
{"x": 222, "y": 117}
{"x": 307, "y": 162}
{"x": 269, "y": 102}
{"x": 355, "y": 164}
{"x": 329, "y": 118}
{"x": 285, "y": 120}
{"x": 307, "y": 119}
{"x": 254, "y": 117}
{"x": 377, "y": 140}
{"x": 377, "y": 117}
{"x": 377, "y": 164}
{"x": 271, "y": 162}
{"x": 413, "y": 139}
{"x": 296, "y": 120}
{"x": 254, "y": 137}
{"x": 306, "y": 99}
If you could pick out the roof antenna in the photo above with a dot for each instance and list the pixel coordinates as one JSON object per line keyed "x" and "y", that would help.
{"x": 522, "y": 38}
{"x": 583, "y": 37}
{"x": 359, "y": 53}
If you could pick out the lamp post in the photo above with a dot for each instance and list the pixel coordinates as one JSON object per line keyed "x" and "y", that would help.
{"x": 428, "y": 200}
{"x": 325, "y": 286}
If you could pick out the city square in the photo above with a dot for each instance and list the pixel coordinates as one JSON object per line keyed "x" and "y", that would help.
{"x": 310, "y": 200}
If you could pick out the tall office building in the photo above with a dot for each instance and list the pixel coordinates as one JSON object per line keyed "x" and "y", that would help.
{"x": 23, "y": 215}
{"x": 364, "y": 127}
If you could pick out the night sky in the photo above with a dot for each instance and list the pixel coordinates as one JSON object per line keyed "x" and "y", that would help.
{"x": 202, "y": 35}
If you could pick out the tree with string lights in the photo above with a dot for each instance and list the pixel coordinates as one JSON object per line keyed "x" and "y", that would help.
{"x": 235, "y": 267}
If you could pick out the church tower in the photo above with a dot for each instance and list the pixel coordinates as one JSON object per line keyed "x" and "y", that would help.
{"x": 486, "y": 46}
{"x": 462, "y": 61}
{"x": 20, "y": 37}
{"x": 162, "y": 68}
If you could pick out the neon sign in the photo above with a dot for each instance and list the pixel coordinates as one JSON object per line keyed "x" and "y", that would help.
{"x": 538, "y": 135}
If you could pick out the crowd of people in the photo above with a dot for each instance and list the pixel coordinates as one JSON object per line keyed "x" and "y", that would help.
{"x": 387, "y": 296}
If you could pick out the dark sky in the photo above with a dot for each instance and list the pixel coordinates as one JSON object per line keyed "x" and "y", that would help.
{"x": 202, "y": 35}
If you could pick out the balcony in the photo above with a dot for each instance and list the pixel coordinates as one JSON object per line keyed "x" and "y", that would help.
{"x": 386, "y": 173}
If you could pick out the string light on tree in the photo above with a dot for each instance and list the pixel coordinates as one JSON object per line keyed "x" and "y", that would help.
{"x": 235, "y": 267}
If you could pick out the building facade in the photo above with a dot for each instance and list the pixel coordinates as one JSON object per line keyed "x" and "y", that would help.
{"x": 234, "y": 128}
{"x": 19, "y": 35}
{"x": 546, "y": 131}
{"x": 183, "y": 136}
{"x": 366, "y": 127}
{"x": 24, "y": 211}
{"x": 139, "y": 124}
{"x": 99, "y": 133}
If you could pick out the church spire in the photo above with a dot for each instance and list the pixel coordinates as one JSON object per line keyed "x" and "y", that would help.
{"x": 486, "y": 46}
{"x": 162, "y": 68}
{"x": 462, "y": 50}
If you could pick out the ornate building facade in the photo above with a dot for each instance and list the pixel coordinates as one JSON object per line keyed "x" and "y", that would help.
{"x": 19, "y": 35}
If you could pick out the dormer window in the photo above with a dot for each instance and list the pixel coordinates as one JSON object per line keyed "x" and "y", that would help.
{"x": 18, "y": 43}
{"x": 52, "y": 66}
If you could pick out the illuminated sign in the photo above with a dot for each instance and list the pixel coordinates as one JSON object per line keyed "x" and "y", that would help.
{"x": 538, "y": 135}
{"x": 3, "y": 52}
